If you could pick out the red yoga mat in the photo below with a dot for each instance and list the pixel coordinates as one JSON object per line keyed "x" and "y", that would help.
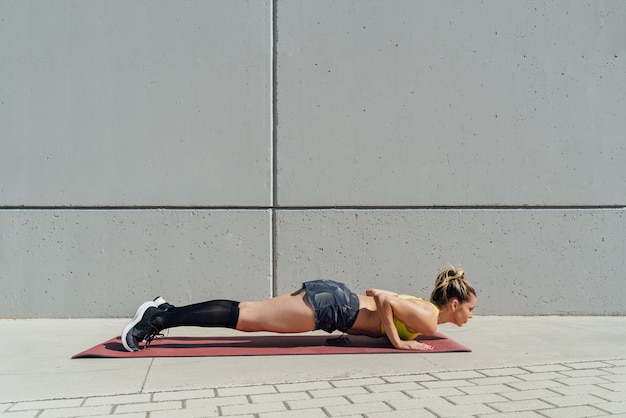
{"x": 266, "y": 345}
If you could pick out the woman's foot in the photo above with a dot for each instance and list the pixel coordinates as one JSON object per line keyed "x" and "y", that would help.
{"x": 140, "y": 329}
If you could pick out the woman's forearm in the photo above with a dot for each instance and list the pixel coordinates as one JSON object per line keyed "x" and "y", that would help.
{"x": 385, "y": 313}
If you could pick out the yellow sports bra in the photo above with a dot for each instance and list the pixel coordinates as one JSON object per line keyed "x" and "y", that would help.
{"x": 403, "y": 332}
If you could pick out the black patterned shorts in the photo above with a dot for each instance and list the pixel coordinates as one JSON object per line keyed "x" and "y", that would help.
{"x": 335, "y": 306}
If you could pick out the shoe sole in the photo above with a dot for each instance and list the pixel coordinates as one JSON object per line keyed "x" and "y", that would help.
{"x": 138, "y": 315}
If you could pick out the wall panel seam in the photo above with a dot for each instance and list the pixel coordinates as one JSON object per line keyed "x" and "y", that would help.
{"x": 274, "y": 147}
{"x": 318, "y": 207}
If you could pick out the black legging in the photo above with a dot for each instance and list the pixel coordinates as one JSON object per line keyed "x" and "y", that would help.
{"x": 213, "y": 313}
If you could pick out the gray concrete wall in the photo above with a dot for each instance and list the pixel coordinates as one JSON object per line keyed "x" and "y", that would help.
{"x": 204, "y": 149}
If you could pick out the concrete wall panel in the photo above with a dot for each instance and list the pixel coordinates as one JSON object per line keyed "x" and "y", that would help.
{"x": 521, "y": 262}
{"x": 110, "y": 110}
{"x": 109, "y": 103}
{"x": 104, "y": 263}
{"x": 451, "y": 103}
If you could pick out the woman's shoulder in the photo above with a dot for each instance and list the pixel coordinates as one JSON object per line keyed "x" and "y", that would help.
{"x": 420, "y": 301}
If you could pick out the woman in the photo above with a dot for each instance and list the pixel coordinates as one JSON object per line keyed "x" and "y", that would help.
{"x": 320, "y": 304}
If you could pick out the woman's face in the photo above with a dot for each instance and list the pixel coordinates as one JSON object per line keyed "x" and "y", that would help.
{"x": 463, "y": 311}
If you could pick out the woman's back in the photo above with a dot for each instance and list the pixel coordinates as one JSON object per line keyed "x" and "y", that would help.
{"x": 368, "y": 321}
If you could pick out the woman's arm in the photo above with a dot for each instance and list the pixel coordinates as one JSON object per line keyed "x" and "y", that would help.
{"x": 414, "y": 316}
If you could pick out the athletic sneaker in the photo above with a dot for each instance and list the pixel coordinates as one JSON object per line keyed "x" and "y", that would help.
{"x": 140, "y": 329}
{"x": 162, "y": 304}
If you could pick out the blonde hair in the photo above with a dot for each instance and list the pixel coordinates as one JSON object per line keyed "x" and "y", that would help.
{"x": 450, "y": 284}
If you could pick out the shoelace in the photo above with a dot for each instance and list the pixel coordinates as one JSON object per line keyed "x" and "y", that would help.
{"x": 153, "y": 335}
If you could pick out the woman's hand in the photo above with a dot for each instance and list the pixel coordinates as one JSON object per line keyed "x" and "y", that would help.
{"x": 414, "y": 345}
{"x": 374, "y": 292}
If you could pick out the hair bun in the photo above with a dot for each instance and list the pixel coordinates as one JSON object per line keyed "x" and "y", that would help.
{"x": 453, "y": 273}
{"x": 451, "y": 283}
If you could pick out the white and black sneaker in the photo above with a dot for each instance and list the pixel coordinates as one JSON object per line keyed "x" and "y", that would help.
{"x": 140, "y": 329}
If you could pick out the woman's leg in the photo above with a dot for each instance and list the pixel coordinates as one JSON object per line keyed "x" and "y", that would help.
{"x": 214, "y": 313}
{"x": 285, "y": 314}
{"x": 290, "y": 313}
